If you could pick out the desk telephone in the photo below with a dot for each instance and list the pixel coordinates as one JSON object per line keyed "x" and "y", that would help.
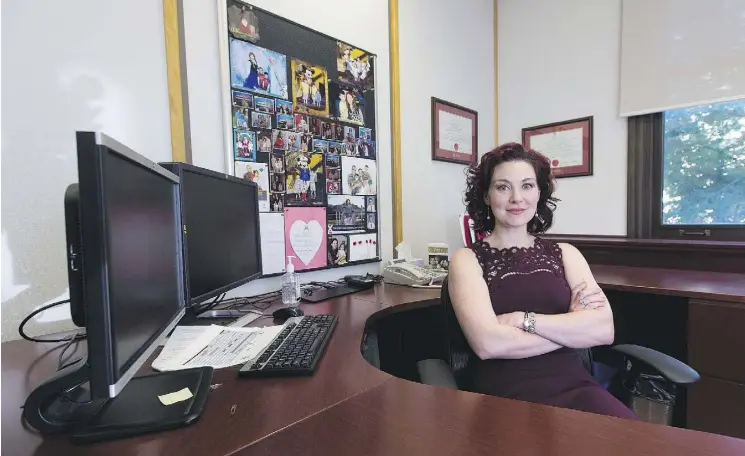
{"x": 400, "y": 272}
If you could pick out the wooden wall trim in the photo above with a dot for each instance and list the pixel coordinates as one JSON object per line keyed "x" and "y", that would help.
{"x": 178, "y": 98}
{"x": 398, "y": 222}
{"x": 659, "y": 253}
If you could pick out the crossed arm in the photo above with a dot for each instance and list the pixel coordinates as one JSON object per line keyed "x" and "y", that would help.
{"x": 501, "y": 336}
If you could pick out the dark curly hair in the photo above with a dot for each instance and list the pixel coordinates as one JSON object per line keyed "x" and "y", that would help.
{"x": 478, "y": 180}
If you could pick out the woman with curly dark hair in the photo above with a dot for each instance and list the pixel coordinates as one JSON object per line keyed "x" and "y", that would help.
{"x": 525, "y": 303}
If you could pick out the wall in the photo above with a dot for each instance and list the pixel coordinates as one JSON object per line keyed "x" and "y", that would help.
{"x": 366, "y": 28}
{"x": 68, "y": 66}
{"x": 559, "y": 61}
{"x": 446, "y": 52}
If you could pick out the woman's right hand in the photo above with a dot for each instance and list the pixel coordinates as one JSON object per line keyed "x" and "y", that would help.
{"x": 584, "y": 299}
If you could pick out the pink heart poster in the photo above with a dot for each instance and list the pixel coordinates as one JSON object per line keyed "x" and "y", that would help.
{"x": 305, "y": 236}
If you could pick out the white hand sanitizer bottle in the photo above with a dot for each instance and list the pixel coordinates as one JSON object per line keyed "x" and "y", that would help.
{"x": 290, "y": 285}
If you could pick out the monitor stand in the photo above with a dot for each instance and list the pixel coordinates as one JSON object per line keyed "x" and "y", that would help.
{"x": 135, "y": 410}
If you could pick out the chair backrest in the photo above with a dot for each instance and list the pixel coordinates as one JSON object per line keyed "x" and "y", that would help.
{"x": 468, "y": 234}
{"x": 460, "y": 353}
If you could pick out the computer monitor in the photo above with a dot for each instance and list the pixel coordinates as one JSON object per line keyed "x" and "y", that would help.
{"x": 125, "y": 269}
{"x": 222, "y": 247}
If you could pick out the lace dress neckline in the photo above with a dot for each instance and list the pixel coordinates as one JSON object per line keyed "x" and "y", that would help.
{"x": 504, "y": 251}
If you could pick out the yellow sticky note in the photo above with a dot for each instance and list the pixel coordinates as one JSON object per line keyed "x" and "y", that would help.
{"x": 178, "y": 396}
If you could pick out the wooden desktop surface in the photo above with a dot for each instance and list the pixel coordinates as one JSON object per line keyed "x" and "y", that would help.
{"x": 718, "y": 286}
{"x": 350, "y": 407}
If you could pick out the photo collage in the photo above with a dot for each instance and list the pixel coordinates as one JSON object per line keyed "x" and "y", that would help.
{"x": 303, "y": 139}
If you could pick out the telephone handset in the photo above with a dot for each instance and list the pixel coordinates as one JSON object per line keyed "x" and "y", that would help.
{"x": 402, "y": 273}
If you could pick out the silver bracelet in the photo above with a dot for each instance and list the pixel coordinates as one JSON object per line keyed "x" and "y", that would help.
{"x": 529, "y": 322}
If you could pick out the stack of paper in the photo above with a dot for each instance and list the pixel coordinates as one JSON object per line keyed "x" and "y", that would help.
{"x": 215, "y": 346}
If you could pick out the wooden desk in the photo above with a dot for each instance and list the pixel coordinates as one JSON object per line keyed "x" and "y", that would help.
{"x": 717, "y": 286}
{"x": 350, "y": 407}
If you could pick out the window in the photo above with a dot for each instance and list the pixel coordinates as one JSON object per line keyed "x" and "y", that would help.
{"x": 692, "y": 161}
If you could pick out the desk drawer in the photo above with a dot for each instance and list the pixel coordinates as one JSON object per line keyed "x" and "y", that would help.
{"x": 716, "y": 339}
{"x": 717, "y": 406}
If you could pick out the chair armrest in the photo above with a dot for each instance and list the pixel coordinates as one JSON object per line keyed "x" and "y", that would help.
{"x": 672, "y": 369}
{"x": 436, "y": 372}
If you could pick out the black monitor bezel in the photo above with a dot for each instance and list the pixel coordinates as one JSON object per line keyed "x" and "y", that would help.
{"x": 179, "y": 169}
{"x": 93, "y": 149}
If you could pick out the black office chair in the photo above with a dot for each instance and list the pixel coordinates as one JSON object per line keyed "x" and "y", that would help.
{"x": 665, "y": 370}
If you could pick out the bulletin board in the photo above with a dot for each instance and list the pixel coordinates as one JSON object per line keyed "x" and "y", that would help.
{"x": 299, "y": 110}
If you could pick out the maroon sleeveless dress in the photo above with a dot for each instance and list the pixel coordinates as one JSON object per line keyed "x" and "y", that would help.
{"x": 532, "y": 279}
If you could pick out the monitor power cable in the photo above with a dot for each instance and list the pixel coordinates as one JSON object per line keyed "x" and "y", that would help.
{"x": 77, "y": 336}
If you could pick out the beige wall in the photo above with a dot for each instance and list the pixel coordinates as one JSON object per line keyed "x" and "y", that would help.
{"x": 446, "y": 52}
{"x": 559, "y": 61}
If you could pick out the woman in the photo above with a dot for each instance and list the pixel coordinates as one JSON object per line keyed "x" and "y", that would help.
{"x": 526, "y": 304}
{"x": 252, "y": 80}
{"x": 333, "y": 251}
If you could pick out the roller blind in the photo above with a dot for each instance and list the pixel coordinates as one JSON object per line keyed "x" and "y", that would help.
{"x": 678, "y": 53}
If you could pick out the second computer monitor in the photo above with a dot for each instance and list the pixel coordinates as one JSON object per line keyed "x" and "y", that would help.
{"x": 221, "y": 231}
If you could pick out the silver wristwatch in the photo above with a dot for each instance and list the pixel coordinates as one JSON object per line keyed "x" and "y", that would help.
{"x": 529, "y": 322}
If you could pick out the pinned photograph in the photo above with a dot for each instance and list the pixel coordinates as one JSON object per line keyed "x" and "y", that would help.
{"x": 276, "y": 202}
{"x": 257, "y": 69}
{"x": 301, "y": 124}
{"x": 365, "y": 149}
{"x": 285, "y": 122}
{"x": 338, "y": 250}
{"x": 264, "y": 141}
{"x": 333, "y": 188}
{"x": 306, "y": 183}
{"x": 265, "y": 105}
{"x": 306, "y": 142}
{"x": 316, "y": 126}
{"x": 309, "y": 88}
{"x": 285, "y": 140}
{"x": 293, "y": 140}
{"x": 305, "y": 238}
{"x": 370, "y": 203}
{"x": 350, "y": 134}
{"x": 244, "y": 145}
{"x": 333, "y": 174}
{"x": 346, "y": 214}
{"x": 321, "y": 146}
{"x": 277, "y": 163}
{"x": 359, "y": 176}
{"x": 242, "y": 99}
{"x": 348, "y": 103}
{"x": 333, "y": 161}
{"x": 371, "y": 222}
{"x": 353, "y": 65}
{"x": 335, "y": 148}
{"x": 327, "y": 130}
{"x": 349, "y": 145}
{"x": 261, "y": 120}
{"x": 259, "y": 174}
{"x": 283, "y": 107}
{"x": 240, "y": 118}
{"x": 243, "y": 23}
{"x": 338, "y": 132}
{"x": 363, "y": 246}
{"x": 365, "y": 143}
{"x": 277, "y": 183}
{"x": 279, "y": 139}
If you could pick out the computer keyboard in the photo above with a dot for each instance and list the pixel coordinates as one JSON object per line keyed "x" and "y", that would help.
{"x": 296, "y": 350}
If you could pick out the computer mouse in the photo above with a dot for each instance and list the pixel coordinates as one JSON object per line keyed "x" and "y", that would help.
{"x": 287, "y": 312}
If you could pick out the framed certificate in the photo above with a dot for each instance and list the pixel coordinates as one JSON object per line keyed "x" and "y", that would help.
{"x": 454, "y": 133}
{"x": 567, "y": 145}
